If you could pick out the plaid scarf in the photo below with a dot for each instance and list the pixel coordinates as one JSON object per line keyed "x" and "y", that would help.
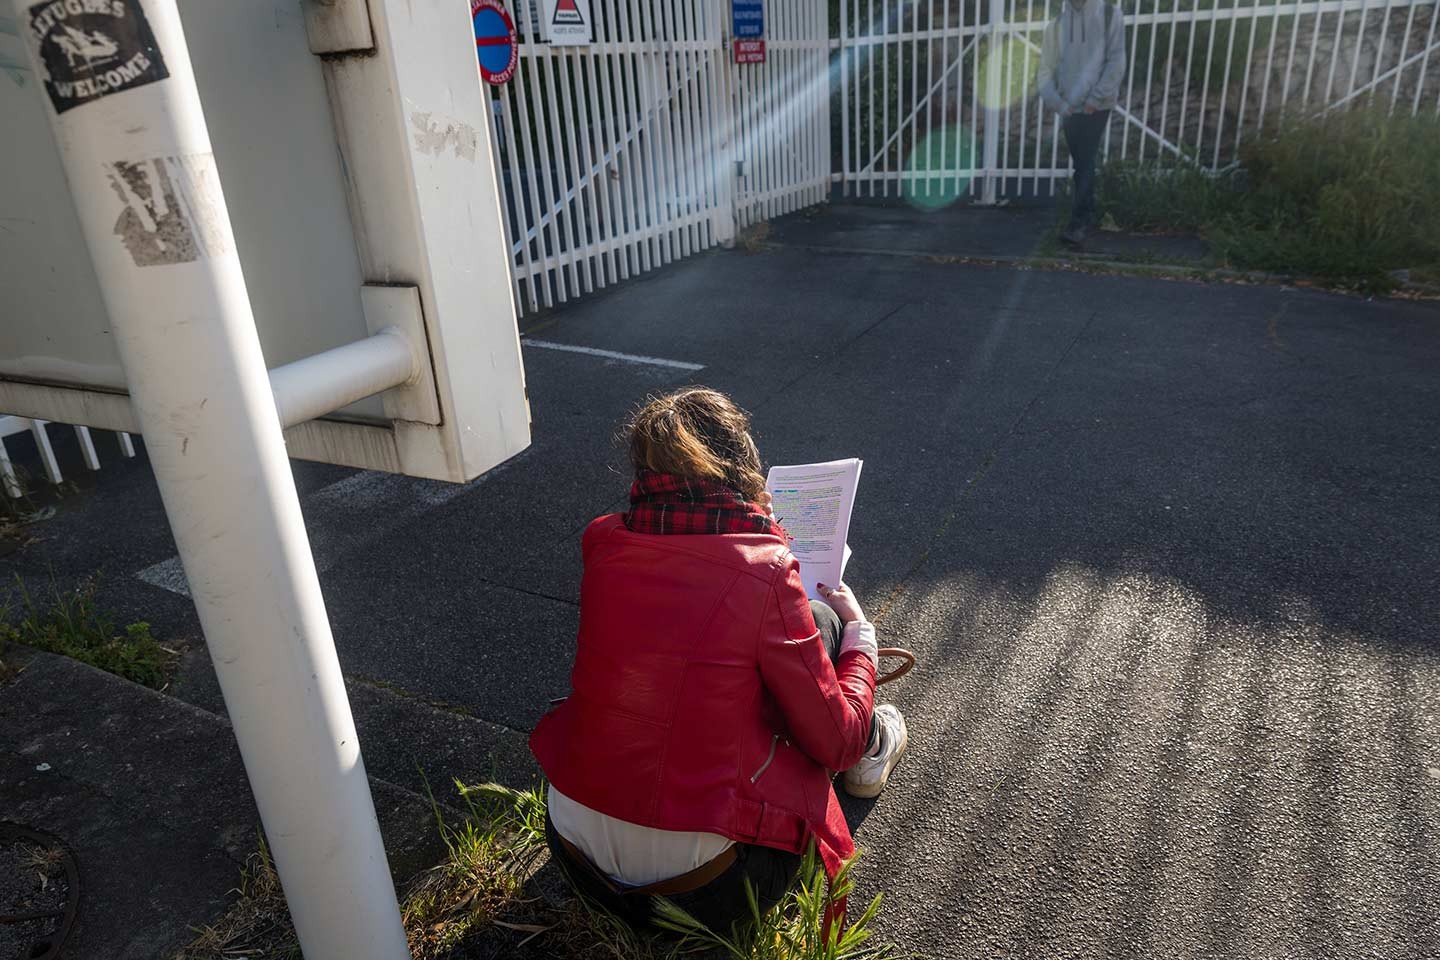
{"x": 665, "y": 503}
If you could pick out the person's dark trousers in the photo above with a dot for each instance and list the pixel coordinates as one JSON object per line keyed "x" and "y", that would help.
{"x": 831, "y": 632}
{"x": 720, "y": 904}
{"x": 1083, "y": 133}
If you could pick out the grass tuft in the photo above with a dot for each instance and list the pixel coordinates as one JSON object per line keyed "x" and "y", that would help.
{"x": 73, "y": 625}
{"x": 258, "y": 925}
{"x": 479, "y": 902}
{"x": 489, "y": 853}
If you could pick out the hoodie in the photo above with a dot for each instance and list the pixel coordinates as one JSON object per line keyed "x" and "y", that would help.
{"x": 1082, "y": 59}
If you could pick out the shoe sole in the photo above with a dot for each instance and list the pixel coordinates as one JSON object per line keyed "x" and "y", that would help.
{"x": 865, "y": 791}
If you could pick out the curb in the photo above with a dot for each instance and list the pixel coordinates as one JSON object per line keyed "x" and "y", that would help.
{"x": 1094, "y": 263}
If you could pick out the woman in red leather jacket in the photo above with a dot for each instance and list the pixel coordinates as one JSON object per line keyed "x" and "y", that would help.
{"x": 710, "y": 699}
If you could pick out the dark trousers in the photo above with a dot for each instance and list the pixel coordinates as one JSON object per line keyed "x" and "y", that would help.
{"x": 721, "y": 903}
{"x": 1083, "y": 133}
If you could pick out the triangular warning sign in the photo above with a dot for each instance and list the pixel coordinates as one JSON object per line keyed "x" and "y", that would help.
{"x": 567, "y": 14}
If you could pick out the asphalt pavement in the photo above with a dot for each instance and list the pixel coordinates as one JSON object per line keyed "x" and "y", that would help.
{"x": 1167, "y": 551}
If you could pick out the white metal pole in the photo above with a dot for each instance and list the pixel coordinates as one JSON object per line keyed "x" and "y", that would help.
{"x": 138, "y": 159}
{"x": 993, "y": 79}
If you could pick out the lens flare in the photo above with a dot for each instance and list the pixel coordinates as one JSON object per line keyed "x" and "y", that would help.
{"x": 1015, "y": 65}
{"x": 939, "y": 169}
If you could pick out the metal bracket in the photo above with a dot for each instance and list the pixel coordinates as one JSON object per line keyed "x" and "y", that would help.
{"x": 338, "y": 26}
{"x": 399, "y": 307}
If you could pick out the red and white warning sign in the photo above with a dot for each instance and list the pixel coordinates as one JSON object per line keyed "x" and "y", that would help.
{"x": 567, "y": 22}
{"x": 750, "y": 51}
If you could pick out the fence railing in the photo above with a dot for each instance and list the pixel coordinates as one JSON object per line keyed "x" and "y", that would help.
{"x": 650, "y": 144}
{"x": 937, "y": 98}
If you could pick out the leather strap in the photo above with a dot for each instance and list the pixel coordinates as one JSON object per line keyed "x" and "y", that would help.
{"x": 685, "y": 883}
{"x": 900, "y": 671}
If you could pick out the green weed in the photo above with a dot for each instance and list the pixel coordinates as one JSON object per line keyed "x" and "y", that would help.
{"x": 73, "y": 625}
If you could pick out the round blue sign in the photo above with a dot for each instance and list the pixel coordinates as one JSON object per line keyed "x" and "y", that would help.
{"x": 495, "y": 40}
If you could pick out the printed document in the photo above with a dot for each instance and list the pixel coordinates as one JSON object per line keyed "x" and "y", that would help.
{"x": 813, "y": 503}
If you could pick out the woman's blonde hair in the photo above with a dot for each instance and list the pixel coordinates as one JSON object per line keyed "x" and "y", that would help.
{"x": 699, "y": 434}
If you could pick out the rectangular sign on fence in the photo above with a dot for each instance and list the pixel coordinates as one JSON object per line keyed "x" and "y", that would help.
{"x": 567, "y": 22}
{"x": 749, "y": 51}
{"x": 747, "y": 27}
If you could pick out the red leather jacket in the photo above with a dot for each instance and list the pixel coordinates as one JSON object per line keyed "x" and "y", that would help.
{"x": 701, "y": 697}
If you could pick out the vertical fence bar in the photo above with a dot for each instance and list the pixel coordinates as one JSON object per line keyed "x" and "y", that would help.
{"x": 1310, "y": 59}
{"x": 1334, "y": 53}
{"x": 1245, "y": 84}
{"x": 640, "y": 137}
{"x": 1269, "y": 70}
{"x": 1185, "y": 84}
{"x": 845, "y": 70}
{"x": 1000, "y": 95}
{"x": 1404, "y": 49}
{"x": 599, "y": 169}
{"x": 1149, "y": 78}
{"x": 1169, "y": 70}
{"x": 1380, "y": 50}
{"x": 579, "y": 119}
{"x": 1040, "y": 115}
{"x": 546, "y": 194}
{"x": 1129, "y": 76}
{"x": 977, "y": 151}
{"x": 511, "y": 104}
{"x": 1359, "y": 47}
{"x": 1425, "y": 61}
{"x": 1225, "y": 83}
{"x": 992, "y": 114}
{"x": 623, "y": 222}
{"x": 1205, "y": 82}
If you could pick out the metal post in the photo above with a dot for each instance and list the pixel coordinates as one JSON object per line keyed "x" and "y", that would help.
{"x": 995, "y": 99}
{"x": 723, "y": 218}
{"x": 138, "y": 159}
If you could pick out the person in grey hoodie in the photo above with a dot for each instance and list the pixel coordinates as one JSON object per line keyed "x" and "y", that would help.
{"x": 1081, "y": 64}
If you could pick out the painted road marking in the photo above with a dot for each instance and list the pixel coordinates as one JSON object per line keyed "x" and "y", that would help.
{"x": 612, "y": 355}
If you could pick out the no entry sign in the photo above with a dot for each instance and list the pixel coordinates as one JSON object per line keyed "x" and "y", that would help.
{"x": 495, "y": 42}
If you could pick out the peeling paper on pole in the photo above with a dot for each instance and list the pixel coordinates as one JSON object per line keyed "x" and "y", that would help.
{"x": 173, "y": 210}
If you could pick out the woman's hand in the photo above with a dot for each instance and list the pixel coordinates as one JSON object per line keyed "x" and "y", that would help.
{"x": 842, "y": 601}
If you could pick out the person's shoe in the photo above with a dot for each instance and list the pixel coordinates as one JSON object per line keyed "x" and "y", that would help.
{"x": 868, "y": 777}
{"x": 1074, "y": 235}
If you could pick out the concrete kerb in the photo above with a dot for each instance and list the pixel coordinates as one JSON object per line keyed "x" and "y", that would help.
{"x": 1099, "y": 264}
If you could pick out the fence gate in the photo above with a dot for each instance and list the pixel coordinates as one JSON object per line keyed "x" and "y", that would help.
{"x": 937, "y": 98}
{"x": 650, "y": 143}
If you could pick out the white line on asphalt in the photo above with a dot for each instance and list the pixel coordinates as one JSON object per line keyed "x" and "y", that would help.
{"x": 333, "y": 514}
{"x": 612, "y": 355}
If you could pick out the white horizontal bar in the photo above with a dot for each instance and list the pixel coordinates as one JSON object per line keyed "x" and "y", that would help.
{"x": 315, "y": 386}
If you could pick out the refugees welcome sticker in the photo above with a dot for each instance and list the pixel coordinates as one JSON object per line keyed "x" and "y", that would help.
{"x": 93, "y": 48}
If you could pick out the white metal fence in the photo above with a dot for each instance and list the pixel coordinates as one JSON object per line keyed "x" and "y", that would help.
{"x": 650, "y": 144}
{"x": 937, "y": 98}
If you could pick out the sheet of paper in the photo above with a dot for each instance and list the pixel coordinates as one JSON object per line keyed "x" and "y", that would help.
{"x": 813, "y": 502}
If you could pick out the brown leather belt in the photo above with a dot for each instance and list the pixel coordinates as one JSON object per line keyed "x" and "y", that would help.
{"x": 685, "y": 883}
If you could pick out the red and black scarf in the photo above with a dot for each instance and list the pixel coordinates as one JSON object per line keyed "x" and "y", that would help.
{"x": 665, "y": 503}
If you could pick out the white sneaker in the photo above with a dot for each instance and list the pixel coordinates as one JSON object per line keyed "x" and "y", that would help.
{"x": 868, "y": 777}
